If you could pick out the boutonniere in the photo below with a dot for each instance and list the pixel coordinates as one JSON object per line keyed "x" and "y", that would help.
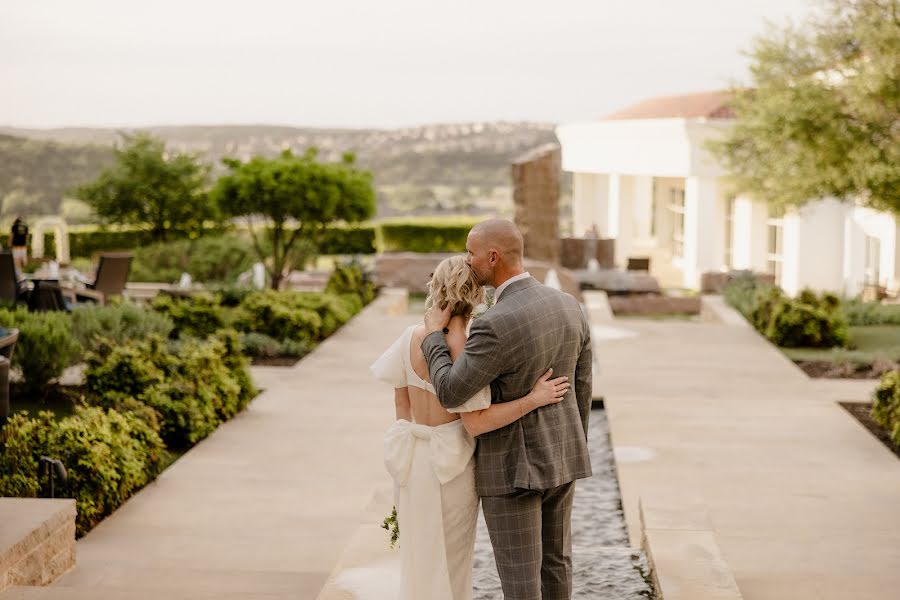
{"x": 486, "y": 306}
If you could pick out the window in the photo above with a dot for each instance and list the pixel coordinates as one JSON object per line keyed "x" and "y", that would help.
{"x": 775, "y": 252}
{"x": 729, "y": 232}
{"x": 676, "y": 207}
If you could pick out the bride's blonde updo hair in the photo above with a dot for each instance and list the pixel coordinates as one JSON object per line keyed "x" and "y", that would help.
{"x": 454, "y": 282}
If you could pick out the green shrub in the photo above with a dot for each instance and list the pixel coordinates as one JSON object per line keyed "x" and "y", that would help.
{"x": 192, "y": 385}
{"x": 808, "y": 321}
{"x": 349, "y": 278}
{"x": 201, "y": 315}
{"x": 795, "y": 324}
{"x": 45, "y": 347}
{"x": 415, "y": 237}
{"x": 280, "y": 315}
{"x": 117, "y": 322}
{"x": 348, "y": 240}
{"x": 84, "y": 242}
{"x": 208, "y": 259}
{"x": 294, "y": 348}
{"x": 108, "y": 457}
{"x": 127, "y": 369}
{"x": 871, "y": 313}
{"x": 741, "y": 293}
{"x": 232, "y": 295}
{"x": 235, "y": 359}
{"x": 260, "y": 345}
{"x": 886, "y": 405}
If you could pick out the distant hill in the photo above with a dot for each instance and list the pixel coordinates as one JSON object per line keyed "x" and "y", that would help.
{"x": 433, "y": 169}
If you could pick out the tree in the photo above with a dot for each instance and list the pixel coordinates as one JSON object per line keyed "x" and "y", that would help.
{"x": 151, "y": 188}
{"x": 296, "y": 197}
{"x": 822, "y": 115}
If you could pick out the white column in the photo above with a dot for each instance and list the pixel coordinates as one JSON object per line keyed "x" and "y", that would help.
{"x": 813, "y": 248}
{"x": 750, "y": 234}
{"x": 614, "y": 207}
{"x": 742, "y": 233}
{"x": 620, "y": 219}
{"x": 790, "y": 255}
{"x": 643, "y": 209}
{"x": 759, "y": 236}
{"x": 702, "y": 249}
{"x": 589, "y": 202}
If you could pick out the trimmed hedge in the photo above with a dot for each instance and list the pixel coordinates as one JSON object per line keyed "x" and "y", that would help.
{"x": 886, "y": 405}
{"x": 414, "y": 237}
{"x": 86, "y": 243}
{"x": 364, "y": 239}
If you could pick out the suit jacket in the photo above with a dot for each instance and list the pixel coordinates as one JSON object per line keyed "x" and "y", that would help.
{"x": 531, "y": 328}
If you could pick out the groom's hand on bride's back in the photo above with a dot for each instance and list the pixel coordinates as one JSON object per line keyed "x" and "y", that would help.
{"x": 436, "y": 318}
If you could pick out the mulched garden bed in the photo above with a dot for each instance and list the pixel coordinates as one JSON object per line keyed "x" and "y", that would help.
{"x": 825, "y": 369}
{"x": 275, "y": 361}
{"x": 861, "y": 411}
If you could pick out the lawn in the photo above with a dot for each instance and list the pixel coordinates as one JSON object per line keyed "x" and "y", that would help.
{"x": 869, "y": 343}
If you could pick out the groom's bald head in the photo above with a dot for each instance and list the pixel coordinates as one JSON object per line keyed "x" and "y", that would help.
{"x": 502, "y": 235}
{"x": 495, "y": 250}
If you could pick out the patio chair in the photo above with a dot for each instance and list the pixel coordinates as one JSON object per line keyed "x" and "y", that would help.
{"x": 112, "y": 276}
{"x": 635, "y": 263}
{"x": 8, "y": 338}
{"x": 48, "y": 295}
{"x": 12, "y": 287}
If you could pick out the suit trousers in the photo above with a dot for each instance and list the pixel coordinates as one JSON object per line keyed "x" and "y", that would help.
{"x": 531, "y": 532}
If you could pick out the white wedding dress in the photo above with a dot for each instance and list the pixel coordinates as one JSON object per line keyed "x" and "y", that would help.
{"x": 434, "y": 480}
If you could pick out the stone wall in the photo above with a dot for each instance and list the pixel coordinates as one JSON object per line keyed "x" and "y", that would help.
{"x": 655, "y": 304}
{"x": 37, "y": 540}
{"x": 412, "y": 270}
{"x": 536, "y": 198}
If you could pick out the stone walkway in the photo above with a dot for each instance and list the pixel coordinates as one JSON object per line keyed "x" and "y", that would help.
{"x": 801, "y": 499}
{"x": 804, "y": 503}
{"x": 262, "y": 508}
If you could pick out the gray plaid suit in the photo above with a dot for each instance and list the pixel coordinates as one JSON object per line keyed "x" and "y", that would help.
{"x": 525, "y": 472}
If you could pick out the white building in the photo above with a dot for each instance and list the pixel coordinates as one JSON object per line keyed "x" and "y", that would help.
{"x": 644, "y": 177}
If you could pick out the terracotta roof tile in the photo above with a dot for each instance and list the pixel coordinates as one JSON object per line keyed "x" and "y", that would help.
{"x": 710, "y": 105}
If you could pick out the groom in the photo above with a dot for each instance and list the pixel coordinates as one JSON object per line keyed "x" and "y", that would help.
{"x": 525, "y": 472}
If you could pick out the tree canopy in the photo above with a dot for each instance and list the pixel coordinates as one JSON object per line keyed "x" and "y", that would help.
{"x": 821, "y": 116}
{"x": 296, "y": 197}
{"x": 152, "y": 188}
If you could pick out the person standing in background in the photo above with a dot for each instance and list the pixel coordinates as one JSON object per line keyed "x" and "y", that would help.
{"x": 18, "y": 240}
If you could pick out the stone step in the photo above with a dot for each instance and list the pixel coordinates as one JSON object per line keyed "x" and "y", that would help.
{"x": 37, "y": 540}
{"x": 133, "y": 593}
{"x": 685, "y": 560}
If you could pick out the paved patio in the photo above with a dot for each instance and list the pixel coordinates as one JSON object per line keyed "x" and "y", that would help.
{"x": 709, "y": 418}
{"x": 706, "y": 419}
{"x": 264, "y": 507}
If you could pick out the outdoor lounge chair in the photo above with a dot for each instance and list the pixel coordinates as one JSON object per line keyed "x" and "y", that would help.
{"x": 112, "y": 275}
{"x": 12, "y": 288}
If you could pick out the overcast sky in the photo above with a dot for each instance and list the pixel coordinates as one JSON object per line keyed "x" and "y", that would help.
{"x": 363, "y": 63}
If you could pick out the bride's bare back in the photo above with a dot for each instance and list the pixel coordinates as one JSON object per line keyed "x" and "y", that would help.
{"x": 425, "y": 406}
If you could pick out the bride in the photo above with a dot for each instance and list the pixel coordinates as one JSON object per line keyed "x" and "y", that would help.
{"x": 429, "y": 451}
